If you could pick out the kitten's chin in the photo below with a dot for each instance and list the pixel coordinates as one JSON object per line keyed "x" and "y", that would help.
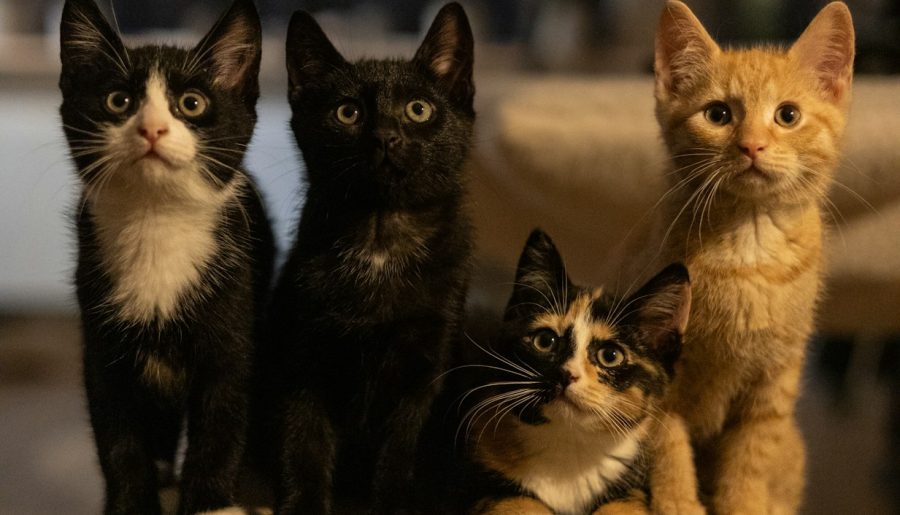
{"x": 570, "y": 410}
{"x": 760, "y": 185}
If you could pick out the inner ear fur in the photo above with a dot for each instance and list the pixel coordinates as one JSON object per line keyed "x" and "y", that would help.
{"x": 683, "y": 49}
{"x": 447, "y": 53}
{"x": 233, "y": 48}
{"x": 86, "y": 36}
{"x": 661, "y": 308}
{"x": 541, "y": 278}
{"x": 826, "y": 48}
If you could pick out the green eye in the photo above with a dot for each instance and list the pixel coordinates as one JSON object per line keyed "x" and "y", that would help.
{"x": 610, "y": 355}
{"x": 545, "y": 341}
{"x": 718, "y": 113}
{"x": 192, "y": 103}
{"x": 347, "y": 113}
{"x": 787, "y": 115}
{"x": 118, "y": 102}
{"x": 419, "y": 111}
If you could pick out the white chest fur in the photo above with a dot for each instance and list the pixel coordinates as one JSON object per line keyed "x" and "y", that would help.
{"x": 154, "y": 255}
{"x": 155, "y": 209}
{"x": 567, "y": 468}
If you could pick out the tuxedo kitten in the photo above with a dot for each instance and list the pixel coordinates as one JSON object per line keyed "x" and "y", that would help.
{"x": 369, "y": 301}
{"x": 174, "y": 250}
{"x": 754, "y": 135}
{"x": 559, "y": 417}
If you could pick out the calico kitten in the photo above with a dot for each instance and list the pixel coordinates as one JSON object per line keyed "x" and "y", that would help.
{"x": 754, "y": 136}
{"x": 560, "y": 419}
{"x": 174, "y": 250}
{"x": 371, "y": 295}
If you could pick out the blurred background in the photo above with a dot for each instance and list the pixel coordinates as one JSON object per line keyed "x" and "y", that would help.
{"x": 565, "y": 119}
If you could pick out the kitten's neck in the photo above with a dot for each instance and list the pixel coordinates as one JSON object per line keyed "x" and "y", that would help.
{"x": 327, "y": 220}
{"x": 744, "y": 234}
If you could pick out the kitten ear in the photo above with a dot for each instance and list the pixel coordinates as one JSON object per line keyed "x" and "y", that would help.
{"x": 541, "y": 278}
{"x": 86, "y": 38}
{"x": 447, "y": 53}
{"x": 660, "y": 311}
{"x": 683, "y": 49}
{"x": 826, "y": 48}
{"x": 309, "y": 52}
{"x": 233, "y": 48}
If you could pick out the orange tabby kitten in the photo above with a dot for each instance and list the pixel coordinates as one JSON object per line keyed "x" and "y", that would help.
{"x": 754, "y": 136}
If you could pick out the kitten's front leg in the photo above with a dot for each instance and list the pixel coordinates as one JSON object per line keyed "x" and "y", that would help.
{"x": 217, "y": 427}
{"x": 307, "y": 448}
{"x": 761, "y": 450}
{"x": 673, "y": 479}
{"x": 119, "y": 432}
{"x": 393, "y": 482}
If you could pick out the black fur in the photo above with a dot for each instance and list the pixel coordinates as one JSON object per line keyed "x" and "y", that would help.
{"x": 358, "y": 348}
{"x": 209, "y": 345}
{"x": 647, "y": 329}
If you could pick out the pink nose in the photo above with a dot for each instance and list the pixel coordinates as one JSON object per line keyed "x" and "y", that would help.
{"x": 152, "y": 132}
{"x": 751, "y": 148}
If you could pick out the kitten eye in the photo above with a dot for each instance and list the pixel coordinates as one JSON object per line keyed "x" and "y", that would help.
{"x": 544, "y": 341}
{"x": 610, "y": 355}
{"x": 419, "y": 111}
{"x": 347, "y": 113}
{"x": 118, "y": 102}
{"x": 192, "y": 104}
{"x": 718, "y": 113}
{"x": 787, "y": 115}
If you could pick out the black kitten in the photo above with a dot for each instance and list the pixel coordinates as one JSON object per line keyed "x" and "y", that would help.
{"x": 560, "y": 414}
{"x": 174, "y": 250}
{"x": 371, "y": 296}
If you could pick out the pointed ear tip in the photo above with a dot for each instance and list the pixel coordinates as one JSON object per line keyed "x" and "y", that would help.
{"x": 247, "y": 7}
{"x": 453, "y": 9}
{"x": 674, "y": 7}
{"x": 299, "y": 26}
{"x": 301, "y": 17}
{"x": 837, "y": 13}
{"x": 538, "y": 235}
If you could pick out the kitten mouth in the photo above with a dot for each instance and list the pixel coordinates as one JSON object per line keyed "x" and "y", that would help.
{"x": 569, "y": 401}
{"x": 754, "y": 171}
{"x": 153, "y": 155}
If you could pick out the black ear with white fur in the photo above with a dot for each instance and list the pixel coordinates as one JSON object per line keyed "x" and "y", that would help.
{"x": 232, "y": 49}
{"x": 86, "y": 38}
{"x": 659, "y": 312}
{"x": 447, "y": 53}
{"x": 541, "y": 279}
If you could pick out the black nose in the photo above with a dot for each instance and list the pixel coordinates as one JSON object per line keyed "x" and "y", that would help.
{"x": 390, "y": 139}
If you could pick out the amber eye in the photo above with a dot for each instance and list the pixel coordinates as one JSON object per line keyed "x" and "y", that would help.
{"x": 610, "y": 355}
{"x": 544, "y": 341}
{"x": 347, "y": 113}
{"x": 419, "y": 111}
{"x": 118, "y": 102}
{"x": 193, "y": 103}
{"x": 718, "y": 113}
{"x": 787, "y": 115}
